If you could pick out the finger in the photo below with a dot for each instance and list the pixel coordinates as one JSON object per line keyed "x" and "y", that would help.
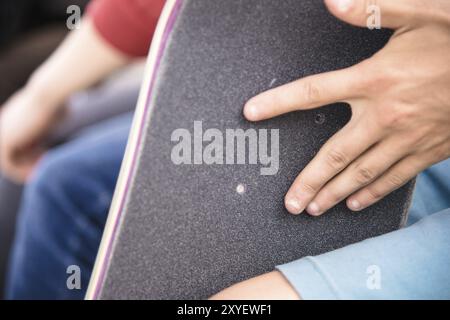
{"x": 393, "y": 179}
{"x": 335, "y": 156}
{"x": 307, "y": 93}
{"x": 391, "y": 14}
{"x": 359, "y": 174}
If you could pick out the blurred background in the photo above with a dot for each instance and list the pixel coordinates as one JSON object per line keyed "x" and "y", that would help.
{"x": 30, "y": 31}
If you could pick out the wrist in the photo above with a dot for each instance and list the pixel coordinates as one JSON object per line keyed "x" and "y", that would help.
{"x": 43, "y": 94}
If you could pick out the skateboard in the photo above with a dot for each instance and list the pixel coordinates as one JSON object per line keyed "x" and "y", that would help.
{"x": 199, "y": 201}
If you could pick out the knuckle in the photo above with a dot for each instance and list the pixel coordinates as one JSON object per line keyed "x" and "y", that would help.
{"x": 386, "y": 118}
{"x": 333, "y": 196}
{"x": 396, "y": 116}
{"x": 385, "y": 75}
{"x": 311, "y": 92}
{"x": 374, "y": 194}
{"x": 376, "y": 80}
{"x": 365, "y": 5}
{"x": 396, "y": 180}
{"x": 308, "y": 187}
{"x": 336, "y": 159}
{"x": 364, "y": 175}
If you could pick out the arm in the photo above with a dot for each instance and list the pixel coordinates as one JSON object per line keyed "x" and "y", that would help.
{"x": 112, "y": 34}
{"x": 83, "y": 59}
{"x": 397, "y": 265}
{"x": 270, "y": 286}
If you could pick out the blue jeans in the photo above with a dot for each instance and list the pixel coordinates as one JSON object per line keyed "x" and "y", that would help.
{"x": 63, "y": 212}
{"x": 65, "y": 207}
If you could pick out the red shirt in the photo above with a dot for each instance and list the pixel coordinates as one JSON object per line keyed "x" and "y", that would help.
{"x": 128, "y": 25}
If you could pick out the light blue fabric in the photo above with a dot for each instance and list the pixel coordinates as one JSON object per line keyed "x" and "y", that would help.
{"x": 412, "y": 263}
{"x": 432, "y": 193}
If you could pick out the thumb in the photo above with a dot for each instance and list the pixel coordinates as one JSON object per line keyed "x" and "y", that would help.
{"x": 392, "y": 14}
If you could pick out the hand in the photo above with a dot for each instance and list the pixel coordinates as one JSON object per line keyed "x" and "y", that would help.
{"x": 271, "y": 286}
{"x": 25, "y": 120}
{"x": 400, "y": 101}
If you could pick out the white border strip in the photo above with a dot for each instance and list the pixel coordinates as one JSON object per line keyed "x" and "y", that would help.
{"x": 132, "y": 147}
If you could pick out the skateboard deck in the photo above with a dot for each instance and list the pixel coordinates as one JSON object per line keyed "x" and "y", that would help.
{"x": 199, "y": 204}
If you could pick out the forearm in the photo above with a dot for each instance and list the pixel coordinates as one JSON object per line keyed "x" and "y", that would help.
{"x": 83, "y": 59}
{"x": 270, "y": 286}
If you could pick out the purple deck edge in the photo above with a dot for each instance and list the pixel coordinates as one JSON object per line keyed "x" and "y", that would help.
{"x": 168, "y": 30}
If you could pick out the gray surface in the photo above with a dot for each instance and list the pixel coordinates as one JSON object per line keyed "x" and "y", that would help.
{"x": 187, "y": 233}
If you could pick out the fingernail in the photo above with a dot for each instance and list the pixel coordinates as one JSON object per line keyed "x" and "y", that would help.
{"x": 355, "y": 205}
{"x": 314, "y": 209}
{"x": 344, "y": 5}
{"x": 251, "y": 112}
{"x": 294, "y": 206}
